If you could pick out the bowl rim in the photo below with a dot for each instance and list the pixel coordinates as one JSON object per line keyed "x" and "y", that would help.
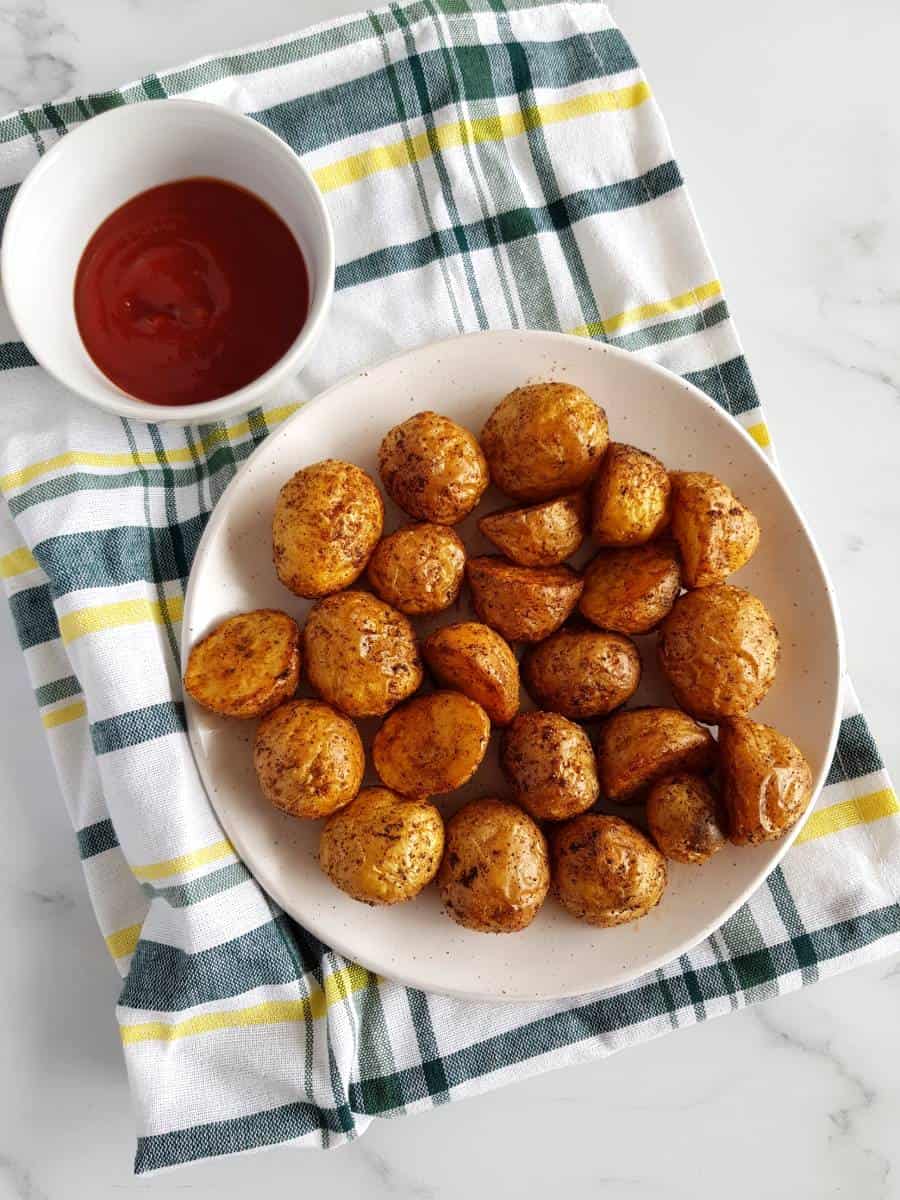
{"x": 109, "y": 398}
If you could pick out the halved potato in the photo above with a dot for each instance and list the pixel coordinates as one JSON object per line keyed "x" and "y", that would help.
{"x": 309, "y": 758}
{"x": 630, "y": 497}
{"x": 544, "y": 440}
{"x": 550, "y": 764}
{"x": 419, "y": 568}
{"x": 475, "y": 660}
{"x": 640, "y": 745}
{"x": 766, "y": 781}
{"x": 542, "y": 535}
{"x": 382, "y": 848}
{"x": 684, "y": 818}
{"x": 631, "y": 589}
{"x": 524, "y": 604}
{"x": 715, "y": 532}
{"x": 582, "y": 673}
{"x": 432, "y": 745}
{"x": 328, "y": 519}
{"x": 605, "y": 871}
{"x": 719, "y": 650}
{"x": 433, "y": 468}
{"x": 247, "y": 665}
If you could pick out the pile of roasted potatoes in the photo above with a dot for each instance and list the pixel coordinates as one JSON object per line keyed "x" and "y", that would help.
{"x": 666, "y": 544}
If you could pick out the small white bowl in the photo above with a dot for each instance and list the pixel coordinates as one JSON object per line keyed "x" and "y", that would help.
{"x": 91, "y": 172}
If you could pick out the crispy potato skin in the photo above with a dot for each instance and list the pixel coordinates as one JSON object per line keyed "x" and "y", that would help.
{"x": 382, "y": 848}
{"x": 433, "y": 468}
{"x": 495, "y": 873}
{"x": 419, "y": 569}
{"x": 328, "y": 519}
{"x": 544, "y": 440}
{"x": 766, "y": 781}
{"x": 582, "y": 673}
{"x": 524, "y": 604}
{"x": 550, "y": 764}
{"x": 719, "y": 650}
{"x": 471, "y": 658}
{"x": 715, "y": 532}
{"x": 630, "y": 497}
{"x": 309, "y": 759}
{"x": 542, "y": 535}
{"x": 684, "y": 819}
{"x": 247, "y": 665}
{"x": 361, "y": 654}
{"x": 605, "y": 871}
{"x": 630, "y": 590}
{"x": 640, "y": 745}
{"x": 432, "y": 745}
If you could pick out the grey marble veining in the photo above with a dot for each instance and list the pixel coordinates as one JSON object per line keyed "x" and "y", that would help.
{"x": 795, "y": 172}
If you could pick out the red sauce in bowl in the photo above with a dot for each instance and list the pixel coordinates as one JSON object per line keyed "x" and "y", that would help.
{"x": 190, "y": 291}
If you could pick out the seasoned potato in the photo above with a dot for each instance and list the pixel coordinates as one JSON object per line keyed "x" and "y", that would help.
{"x": 432, "y": 745}
{"x": 715, "y": 532}
{"x": 719, "y": 650}
{"x": 328, "y": 519}
{"x": 640, "y": 745}
{"x": 361, "y": 654}
{"x": 433, "y": 468}
{"x": 247, "y": 665}
{"x": 418, "y": 569}
{"x": 582, "y": 673}
{"x": 474, "y": 660}
{"x": 544, "y": 440}
{"x": 524, "y": 604}
{"x": 309, "y": 759}
{"x": 605, "y": 871}
{"x": 382, "y": 848}
{"x": 540, "y": 536}
{"x": 766, "y": 781}
{"x": 684, "y": 819}
{"x": 630, "y": 497}
{"x": 630, "y": 590}
{"x": 550, "y": 764}
{"x": 495, "y": 872}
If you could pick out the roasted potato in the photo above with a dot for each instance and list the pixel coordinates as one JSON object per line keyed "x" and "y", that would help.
{"x": 766, "y": 781}
{"x": 471, "y": 658}
{"x": 640, "y": 745}
{"x": 419, "y": 569}
{"x": 605, "y": 871}
{"x": 630, "y": 590}
{"x": 582, "y": 673}
{"x": 524, "y": 604}
{"x": 719, "y": 650}
{"x": 309, "y": 759}
{"x": 542, "y": 535}
{"x": 247, "y": 665}
{"x": 684, "y": 818}
{"x": 544, "y": 440}
{"x": 361, "y": 654}
{"x": 630, "y": 497}
{"x": 328, "y": 519}
{"x": 715, "y": 532}
{"x": 382, "y": 848}
{"x": 432, "y": 745}
{"x": 550, "y": 764}
{"x": 495, "y": 872}
{"x": 433, "y": 468}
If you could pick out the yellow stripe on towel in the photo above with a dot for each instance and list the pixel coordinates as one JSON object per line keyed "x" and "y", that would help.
{"x": 861, "y": 810}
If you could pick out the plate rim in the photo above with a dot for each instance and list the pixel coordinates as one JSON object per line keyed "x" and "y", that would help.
{"x": 625, "y": 976}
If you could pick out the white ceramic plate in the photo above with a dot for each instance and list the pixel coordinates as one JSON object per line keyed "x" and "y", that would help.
{"x": 464, "y": 378}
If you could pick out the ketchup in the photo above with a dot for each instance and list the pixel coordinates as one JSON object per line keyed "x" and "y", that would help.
{"x": 189, "y": 291}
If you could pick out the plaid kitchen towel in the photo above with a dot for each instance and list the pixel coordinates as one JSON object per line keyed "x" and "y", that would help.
{"x": 486, "y": 165}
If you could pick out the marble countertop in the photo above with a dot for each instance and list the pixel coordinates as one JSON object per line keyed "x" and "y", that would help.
{"x": 795, "y": 172}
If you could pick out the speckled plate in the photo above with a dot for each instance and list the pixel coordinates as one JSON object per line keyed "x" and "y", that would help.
{"x": 464, "y": 378}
